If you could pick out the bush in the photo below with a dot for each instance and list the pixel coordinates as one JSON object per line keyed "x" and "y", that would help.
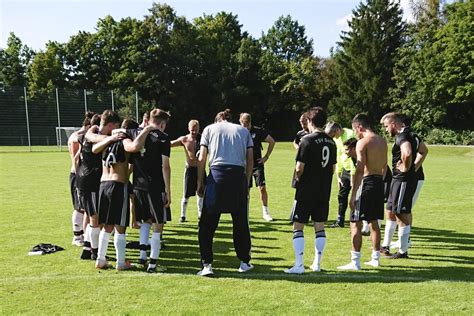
{"x": 449, "y": 137}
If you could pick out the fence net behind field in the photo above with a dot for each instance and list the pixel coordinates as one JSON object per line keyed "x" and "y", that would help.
{"x": 43, "y": 122}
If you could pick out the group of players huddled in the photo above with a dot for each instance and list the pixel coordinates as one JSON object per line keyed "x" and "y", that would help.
{"x": 105, "y": 151}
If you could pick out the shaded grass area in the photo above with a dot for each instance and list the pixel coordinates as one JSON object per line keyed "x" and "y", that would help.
{"x": 438, "y": 277}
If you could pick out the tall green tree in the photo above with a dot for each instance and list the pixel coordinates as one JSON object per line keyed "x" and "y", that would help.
{"x": 365, "y": 58}
{"x": 14, "y": 62}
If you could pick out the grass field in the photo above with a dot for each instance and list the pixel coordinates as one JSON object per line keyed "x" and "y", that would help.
{"x": 437, "y": 279}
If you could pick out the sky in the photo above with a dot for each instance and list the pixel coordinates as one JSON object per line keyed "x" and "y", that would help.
{"x": 36, "y": 22}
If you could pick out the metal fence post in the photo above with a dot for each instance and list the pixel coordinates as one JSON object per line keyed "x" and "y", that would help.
{"x": 27, "y": 119}
{"x": 136, "y": 104}
{"x": 85, "y": 101}
{"x": 59, "y": 120}
{"x": 113, "y": 105}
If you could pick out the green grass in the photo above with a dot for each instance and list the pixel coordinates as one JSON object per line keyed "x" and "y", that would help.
{"x": 437, "y": 279}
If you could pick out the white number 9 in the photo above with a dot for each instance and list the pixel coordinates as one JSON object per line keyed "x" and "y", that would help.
{"x": 325, "y": 156}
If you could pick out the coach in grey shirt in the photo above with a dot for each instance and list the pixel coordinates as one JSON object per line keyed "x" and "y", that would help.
{"x": 230, "y": 150}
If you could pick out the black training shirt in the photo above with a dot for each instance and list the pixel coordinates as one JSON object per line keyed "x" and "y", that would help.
{"x": 405, "y": 135}
{"x": 258, "y": 136}
{"x": 89, "y": 170}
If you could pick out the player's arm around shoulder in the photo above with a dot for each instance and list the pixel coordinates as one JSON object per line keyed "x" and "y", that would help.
{"x": 178, "y": 141}
{"x": 137, "y": 144}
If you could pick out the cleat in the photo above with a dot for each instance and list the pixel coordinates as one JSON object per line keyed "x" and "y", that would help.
{"x": 295, "y": 270}
{"x": 336, "y": 225}
{"x": 349, "y": 267}
{"x": 396, "y": 244}
{"x": 315, "y": 267}
{"x": 373, "y": 263}
{"x": 142, "y": 261}
{"x": 245, "y": 267}
{"x": 86, "y": 254}
{"x": 365, "y": 233}
{"x": 125, "y": 266}
{"x": 385, "y": 252}
{"x": 94, "y": 254}
{"x": 399, "y": 255}
{"x": 182, "y": 219}
{"x": 154, "y": 268}
{"x": 102, "y": 264}
{"x": 78, "y": 241}
{"x": 206, "y": 270}
{"x": 267, "y": 217}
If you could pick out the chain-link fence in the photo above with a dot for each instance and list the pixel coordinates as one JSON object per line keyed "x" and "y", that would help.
{"x": 43, "y": 121}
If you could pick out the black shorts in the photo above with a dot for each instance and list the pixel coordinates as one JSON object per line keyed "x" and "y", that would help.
{"x": 401, "y": 195}
{"x": 190, "y": 181}
{"x": 72, "y": 186}
{"x": 89, "y": 201}
{"x": 150, "y": 205}
{"x": 258, "y": 174}
{"x": 315, "y": 207}
{"x": 369, "y": 205}
{"x": 114, "y": 204}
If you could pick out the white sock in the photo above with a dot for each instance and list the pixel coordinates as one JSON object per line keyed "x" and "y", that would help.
{"x": 144, "y": 234}
{"x": 119, "y": 243}
{"x": 103, "y": 244}
{"x": 355, "y": 258}
{"x": 365, "y": 227}
{"x": 87, "y": 234}
{"x": 375, "y": 255}
{"x": 200, "y": 203}
{"x": 94, "y": 236}
{"x": 265, "y": 210}
{"x": 184, "y": 205}
{"x": 155, "y": 245}
{"x": 298, "y": 247}
{"x": 390, "y": 227}
{"x": 319, "y": 244}
{"x": 77, "y": 220}
{"x": 403, "y": 236}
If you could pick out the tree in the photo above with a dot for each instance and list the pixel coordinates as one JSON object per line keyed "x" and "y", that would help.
{"x": 14, "y": 62}
{"x": 365, "y": 58}
{"x": 46, "y": 71}
{"x": 435, "y": 73}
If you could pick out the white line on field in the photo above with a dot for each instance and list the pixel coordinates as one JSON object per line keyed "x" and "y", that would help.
{"x": 219, "y": 275}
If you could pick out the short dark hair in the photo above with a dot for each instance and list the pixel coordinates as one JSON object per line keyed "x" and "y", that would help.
{"x": 224, "y": 115}
{"x": 318, "y": 116}
{"x": 109, "y": 116}
{"x": 129, "y": 124}
{"x": 95, "y": 120}
{"x": 363, "y": 120}
{"x": 350, "y": 143}
{"x": 159, "y": 115}
{"x": 406, "y": 119}
{"x": 87, "y": 118}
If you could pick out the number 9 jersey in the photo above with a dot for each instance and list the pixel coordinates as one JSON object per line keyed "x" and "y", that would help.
{"x": 318, "y": 153}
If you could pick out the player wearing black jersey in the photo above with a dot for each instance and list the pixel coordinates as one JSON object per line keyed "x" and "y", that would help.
{"x": 315, "y": 164}
{"x": 151, "y": 182}
{"x": 304, "y": 130}
{"x": 404, "y": 180}
{"x": 259, "y": 135}
{"x": 74, "y": 148}
{"x": 422, "y": 152}
{"x": 367, "y": 197}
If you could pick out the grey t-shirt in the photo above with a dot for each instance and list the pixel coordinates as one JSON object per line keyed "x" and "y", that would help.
{"x": 227, "y": 144}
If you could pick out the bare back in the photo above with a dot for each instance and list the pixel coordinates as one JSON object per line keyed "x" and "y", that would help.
{"x": 117, "y": 172}
{"x": 74, "y": 147}
{"x": 374, "y": 149}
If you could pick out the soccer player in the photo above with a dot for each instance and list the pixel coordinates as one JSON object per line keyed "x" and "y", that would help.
{"x": 259, "y": 135}
{"x": 315, "y": 164}
{"x": 114, "y": 204}
{"x": 74, "y": 148}
{"x": 344, "y": 168}
{"x": 151, "y": 183}
{"x": 367, "y": 197}
{"x": 304, "y": 131}
{"x": 404, "y": 182}
{"x": 190, "y": 142}
{"x": 230, "y": 150}
{"x": 422, "y": 152}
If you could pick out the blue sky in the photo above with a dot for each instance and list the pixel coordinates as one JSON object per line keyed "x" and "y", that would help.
{"x": 38, "y": 21}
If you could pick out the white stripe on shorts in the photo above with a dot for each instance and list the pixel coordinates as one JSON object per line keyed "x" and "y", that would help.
{"x": 124, "y": 206}
{"x": 356, "y": 216}
{"x": 401, "y": 196}
{"x": 152, "y": 208}
{"x": 419, "y": 185}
